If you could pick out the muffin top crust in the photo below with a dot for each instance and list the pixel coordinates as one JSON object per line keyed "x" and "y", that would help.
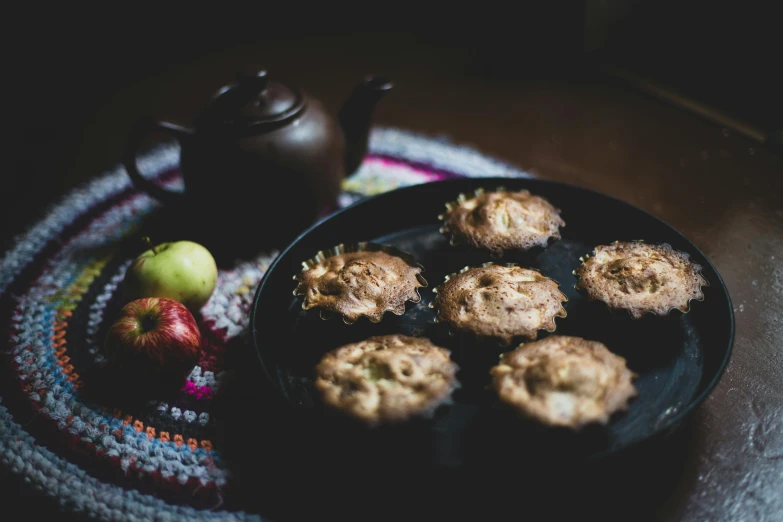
{"x": 499, "y": 301}
{"x": 364, "y": 283}
{"x": 501, "y": 221}
{"x": 564, "y": 381}
{"x": 386, "y": 378}
{"x": 641, "y": 278}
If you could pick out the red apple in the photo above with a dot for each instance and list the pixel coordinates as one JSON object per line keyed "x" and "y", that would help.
{"x": 155, "y": 338}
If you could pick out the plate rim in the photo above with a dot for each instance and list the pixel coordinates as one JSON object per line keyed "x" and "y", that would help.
{"x": 664, "y": 427}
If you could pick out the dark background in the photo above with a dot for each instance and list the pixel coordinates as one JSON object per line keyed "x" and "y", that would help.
{"x": 77, "y": 79}
{"x": 66, "y": 65}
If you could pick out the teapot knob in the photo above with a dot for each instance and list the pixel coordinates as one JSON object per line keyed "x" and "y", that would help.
{"x": 253, "y": 101}
{"x": 254, "y": 79}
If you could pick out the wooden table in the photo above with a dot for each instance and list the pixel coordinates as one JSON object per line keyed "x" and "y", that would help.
{"x": 722, "y": 191}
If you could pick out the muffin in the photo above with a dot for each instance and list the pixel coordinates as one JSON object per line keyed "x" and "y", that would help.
{"x": 640, "y": 278}
{"x": 564, "y": 381}
{"x": 499, "y": 302}
{"x": 361, "y": 280}
{"x": 499, "y": 221}
{"x": 386, "y": 378}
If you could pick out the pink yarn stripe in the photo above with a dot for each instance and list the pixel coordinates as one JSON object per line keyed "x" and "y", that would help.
{"x": 199, "y": 392}
{"x": 389, "y": 162}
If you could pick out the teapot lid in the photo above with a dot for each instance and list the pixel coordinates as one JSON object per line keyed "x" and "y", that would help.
{"x": 254, "y": 102}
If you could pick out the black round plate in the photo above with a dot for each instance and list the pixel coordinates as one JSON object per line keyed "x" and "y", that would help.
{"x": 678, "y": 359}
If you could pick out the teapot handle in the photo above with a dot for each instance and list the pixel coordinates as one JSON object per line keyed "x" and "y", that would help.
{"x": 132, "y": 147}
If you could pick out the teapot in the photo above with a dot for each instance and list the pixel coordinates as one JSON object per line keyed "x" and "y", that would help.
{"x": 262, "y": 155}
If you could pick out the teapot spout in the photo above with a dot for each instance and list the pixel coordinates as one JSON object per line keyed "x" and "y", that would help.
{"x": 355, "y": 119}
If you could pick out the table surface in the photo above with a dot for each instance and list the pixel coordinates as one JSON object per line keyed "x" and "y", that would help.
{"x": 722, "y": 191}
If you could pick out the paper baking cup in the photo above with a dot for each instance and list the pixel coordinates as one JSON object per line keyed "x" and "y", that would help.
{"x": 340, "y": 249}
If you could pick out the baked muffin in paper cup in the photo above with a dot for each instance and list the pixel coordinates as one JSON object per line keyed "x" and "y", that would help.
{"x": 386, "y": 380}
{"x": 564, "y": 381}
{"x": 359, "y": 280}
{"x": 500, "y": 221}
{"x": 559, "y": 427}
{"x": 498, "y": 302}
{"x": 637, "y": 279}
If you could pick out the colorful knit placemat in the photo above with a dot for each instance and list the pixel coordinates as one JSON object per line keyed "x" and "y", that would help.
{"x": 58, "y": 292}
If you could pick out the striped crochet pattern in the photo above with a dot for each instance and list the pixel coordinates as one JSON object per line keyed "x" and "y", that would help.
{"x": 58, "y": 292}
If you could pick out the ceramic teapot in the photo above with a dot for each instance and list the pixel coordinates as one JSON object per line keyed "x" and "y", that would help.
{"x": 265, "y": 152}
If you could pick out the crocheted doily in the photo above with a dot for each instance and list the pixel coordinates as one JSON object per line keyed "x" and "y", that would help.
{"x": 58, "y": 284}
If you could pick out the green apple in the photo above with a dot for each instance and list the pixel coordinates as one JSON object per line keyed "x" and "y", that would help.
{"x": 181, "y": 270}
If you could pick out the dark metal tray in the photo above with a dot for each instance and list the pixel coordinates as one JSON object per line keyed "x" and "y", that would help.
{"x": 679, "y": 359}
